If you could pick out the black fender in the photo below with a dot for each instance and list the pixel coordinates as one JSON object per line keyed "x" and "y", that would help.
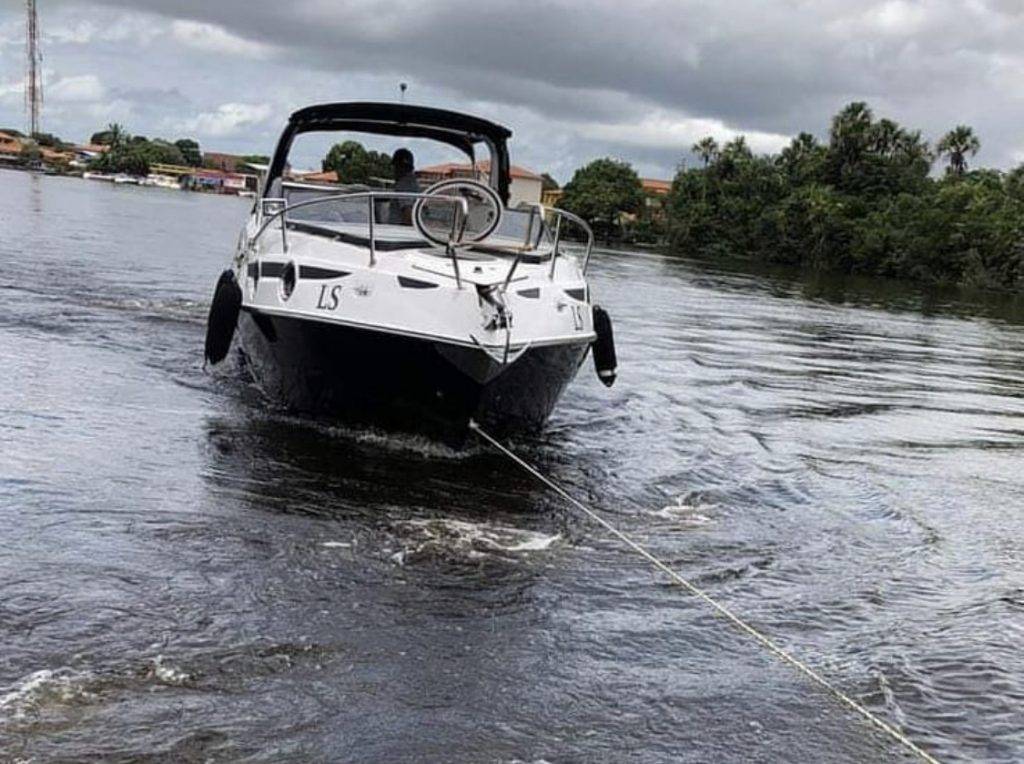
{"x": 223, "y": 318}
{"x": 605, "y": 362}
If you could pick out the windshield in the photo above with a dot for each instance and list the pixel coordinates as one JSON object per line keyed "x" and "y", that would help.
{"x": 332, "y": 163}
{"x": 323, "y": 164}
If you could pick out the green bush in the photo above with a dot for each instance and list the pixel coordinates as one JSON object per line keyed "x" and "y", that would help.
{"x": 603, "y": 192}
{"x": 864, "y": 203}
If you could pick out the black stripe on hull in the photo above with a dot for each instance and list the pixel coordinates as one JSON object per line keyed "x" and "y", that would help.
{"x": 402, "y": 383}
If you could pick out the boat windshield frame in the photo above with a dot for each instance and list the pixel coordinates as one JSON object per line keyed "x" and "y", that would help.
{"x": 463, "y": 131}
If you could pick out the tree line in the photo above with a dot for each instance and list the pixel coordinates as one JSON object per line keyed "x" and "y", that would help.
{"x": 136, "y": 154}
{"x": 866, "y": 201}
{"x": 124, "y": 152}
{"x": 354, "y": 163}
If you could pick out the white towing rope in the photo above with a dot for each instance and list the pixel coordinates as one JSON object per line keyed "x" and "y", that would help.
{"x": 721, "y": 609}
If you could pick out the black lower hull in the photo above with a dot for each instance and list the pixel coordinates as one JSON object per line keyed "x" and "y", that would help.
{"x": 403, "y": 383}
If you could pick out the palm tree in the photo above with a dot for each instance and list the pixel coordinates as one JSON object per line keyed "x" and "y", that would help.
{"x": 117, "y": 135}
{"x": 848, "y": 140}
{"x": 956, "y": 145}
{"x": 1014, "y": 183}
{"x": 737, "y": 148}
{"x": 801, "y": 148}
{"x": 706, "y": 149}
{"x": 850, "y": 128}
{"x": 910, "y": 144}
{"x": 802, "y": 156}
{"x": 884, "y": 137}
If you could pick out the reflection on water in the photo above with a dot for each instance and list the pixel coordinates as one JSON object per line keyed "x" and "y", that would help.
{"x": 188, "y": 573}
{"x": 864, "y": 291}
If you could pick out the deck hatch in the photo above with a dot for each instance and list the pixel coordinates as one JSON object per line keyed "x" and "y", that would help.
{"x": 314, "y": 272}
{"x": 409, "y": 283}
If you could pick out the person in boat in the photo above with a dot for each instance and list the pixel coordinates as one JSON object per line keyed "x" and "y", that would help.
{"x": 403, "y": 164}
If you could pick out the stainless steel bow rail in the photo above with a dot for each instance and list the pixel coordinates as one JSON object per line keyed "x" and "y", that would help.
{"x": 273, "y": 208}
{"x": 720, "y": 609}
{"x": 458, "y": 220}
{"x": 559, "y": 214}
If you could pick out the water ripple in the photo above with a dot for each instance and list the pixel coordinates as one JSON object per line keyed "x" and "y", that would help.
{"x": 188, "y": 573}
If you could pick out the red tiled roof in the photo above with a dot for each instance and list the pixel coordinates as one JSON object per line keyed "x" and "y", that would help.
{"x": 484, "y": 166}
{"x": 9, "y": 144}
{"x": 654, "y": 186}
{"x": 51, "y": 154}
{"x": 320, "y": 177}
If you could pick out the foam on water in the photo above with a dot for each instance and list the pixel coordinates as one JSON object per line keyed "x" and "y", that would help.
{"x": 395, "y": 442}
{"x": 50, "y": 691}
{"x": 166, "y": 673}
{"x": 47, "y": 687}
{"x": 686, "y": 513}
{"x": 460, "y": 540}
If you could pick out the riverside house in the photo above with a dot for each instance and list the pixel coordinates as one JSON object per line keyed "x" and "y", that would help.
{"x": 655, "y": 197}
{"x": 10, "y": 148}
{"x": 525, "y": 186}
{"x": 12, "y": 152}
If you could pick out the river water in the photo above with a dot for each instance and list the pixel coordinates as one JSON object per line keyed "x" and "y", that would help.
{"x": 188, "y": 574}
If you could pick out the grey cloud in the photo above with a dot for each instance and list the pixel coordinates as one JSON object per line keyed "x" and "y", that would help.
{"x": 171, "y": 98}
{"x": 683, "y": 56}
{"x": 777, "y": 66}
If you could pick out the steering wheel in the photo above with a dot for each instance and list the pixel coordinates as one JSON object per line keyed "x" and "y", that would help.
{"x": 435, "y": 219}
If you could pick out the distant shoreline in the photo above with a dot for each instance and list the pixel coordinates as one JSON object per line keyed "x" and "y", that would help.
{"x": 129, "y": 180}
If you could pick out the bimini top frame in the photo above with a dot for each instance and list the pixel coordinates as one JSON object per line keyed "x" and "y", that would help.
{"x": 462, "y": 131}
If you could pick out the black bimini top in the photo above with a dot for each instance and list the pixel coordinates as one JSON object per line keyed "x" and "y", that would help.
{"x": 462, "y": 131}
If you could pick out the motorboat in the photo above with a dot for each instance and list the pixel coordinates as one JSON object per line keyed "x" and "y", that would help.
{"x": 159, "y": 180}
{"x": 457, "y": 309}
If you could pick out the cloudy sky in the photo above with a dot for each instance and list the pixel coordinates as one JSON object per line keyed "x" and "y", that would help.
{"x": 638, "y": 80}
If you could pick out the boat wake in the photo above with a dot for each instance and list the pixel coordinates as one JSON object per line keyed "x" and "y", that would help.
{"x": 391, "y": 441}
{"x": 406, "y": 443}
{"x": 170, "y": 309}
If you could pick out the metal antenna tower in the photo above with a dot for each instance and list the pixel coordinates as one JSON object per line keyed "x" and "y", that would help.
{"x": 33, "y": 75}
